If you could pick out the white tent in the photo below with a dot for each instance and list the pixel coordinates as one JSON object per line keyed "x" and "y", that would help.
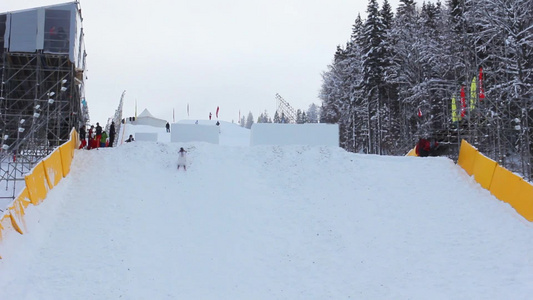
{"x": 146, "y": 118}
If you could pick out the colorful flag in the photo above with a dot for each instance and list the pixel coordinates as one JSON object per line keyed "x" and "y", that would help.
{"x": 463, "y": 102}
{"x": 473, "y": 93}
{"x": 455, "y": 118}
{"x": 218, "y": 108}
{"x": 481, "y": 91}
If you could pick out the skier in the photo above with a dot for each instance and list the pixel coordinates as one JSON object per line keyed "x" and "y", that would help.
{"x": 167, "y": 126}
{"x": 182, "y": 159}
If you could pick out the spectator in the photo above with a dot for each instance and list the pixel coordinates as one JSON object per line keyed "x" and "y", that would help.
{"x": 98, "y": 134}
{"x": 83, "y": 134}
{"x": 103, "y": 139}
{"x": 112, "y": 133}
{"x": 422, "y": 148}
{"x": 167, "y": 127}
{"x": 426, "y": 148}
{"x": 90, "y": 138}
{"x": 130, "y": 139}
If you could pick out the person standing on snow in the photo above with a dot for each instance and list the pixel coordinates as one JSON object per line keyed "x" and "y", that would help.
{"x": 112, "y": 133}
{"x": 83, "y": 134}
{"x": 98, "y": 134}
{"x": 90, "y": 138}
{"x": 182, "y": 159}
{"x": 167, "y": 127}
{"x": 103, "y": 139}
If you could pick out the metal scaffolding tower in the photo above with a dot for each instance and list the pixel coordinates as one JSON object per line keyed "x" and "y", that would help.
{"x": 41, "y": 96}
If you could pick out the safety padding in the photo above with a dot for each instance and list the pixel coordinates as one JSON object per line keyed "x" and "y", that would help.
{"x": 467, "y": 157}
{"x": 483, "y": 169}
{"x": 17, "y": 211}
{"x": 524, "y": 200}
{"x": 412, "y": 152}
{"x": 505, "y": 185}
{"x": 37, "y": 184}
{"x": 5, "y": 225}
{"x": 74, "y": 140}
{"x": 66, "y": 158}
{"x": 53, "y": 168}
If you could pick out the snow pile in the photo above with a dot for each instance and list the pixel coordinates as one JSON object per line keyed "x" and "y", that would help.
{"x": 266, "y": 222}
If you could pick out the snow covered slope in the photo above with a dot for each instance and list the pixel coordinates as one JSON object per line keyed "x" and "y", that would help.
{"x": 267, "y": 222}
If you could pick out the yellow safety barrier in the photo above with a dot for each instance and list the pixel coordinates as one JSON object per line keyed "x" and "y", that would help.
{"x": 467, "y": 157}
{"x": 524, "y": 200}
{"x": 53, "y": 168}
{"x": 412, "y": 152}
{"x": 503, "y": 184}
{"x": 37, "y": 184}
{"x": 17, "y": 211}
{"x": 483, "y": 170}
{"x": 74, "y": 141}
{"x": 66, "y": 157}
{"x": 5, "y": 222}
{"x": 44, "y": 176}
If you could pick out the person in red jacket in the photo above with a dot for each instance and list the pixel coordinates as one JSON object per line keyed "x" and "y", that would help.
{"x": 423, "y": 148}
{"x": 426, "y": 148}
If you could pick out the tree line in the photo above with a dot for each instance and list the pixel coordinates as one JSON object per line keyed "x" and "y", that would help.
{"x": 302, "y": 116}
{"x": 462, "y": 69}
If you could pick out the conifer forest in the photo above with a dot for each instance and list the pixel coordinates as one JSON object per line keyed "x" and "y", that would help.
{"x": 449, "y": 71}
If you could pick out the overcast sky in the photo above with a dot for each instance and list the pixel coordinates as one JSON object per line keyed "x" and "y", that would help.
{"x": 234, "y": 54}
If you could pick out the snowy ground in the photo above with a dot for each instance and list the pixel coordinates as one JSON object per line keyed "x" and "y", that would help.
{"x": 266, "y": 222}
